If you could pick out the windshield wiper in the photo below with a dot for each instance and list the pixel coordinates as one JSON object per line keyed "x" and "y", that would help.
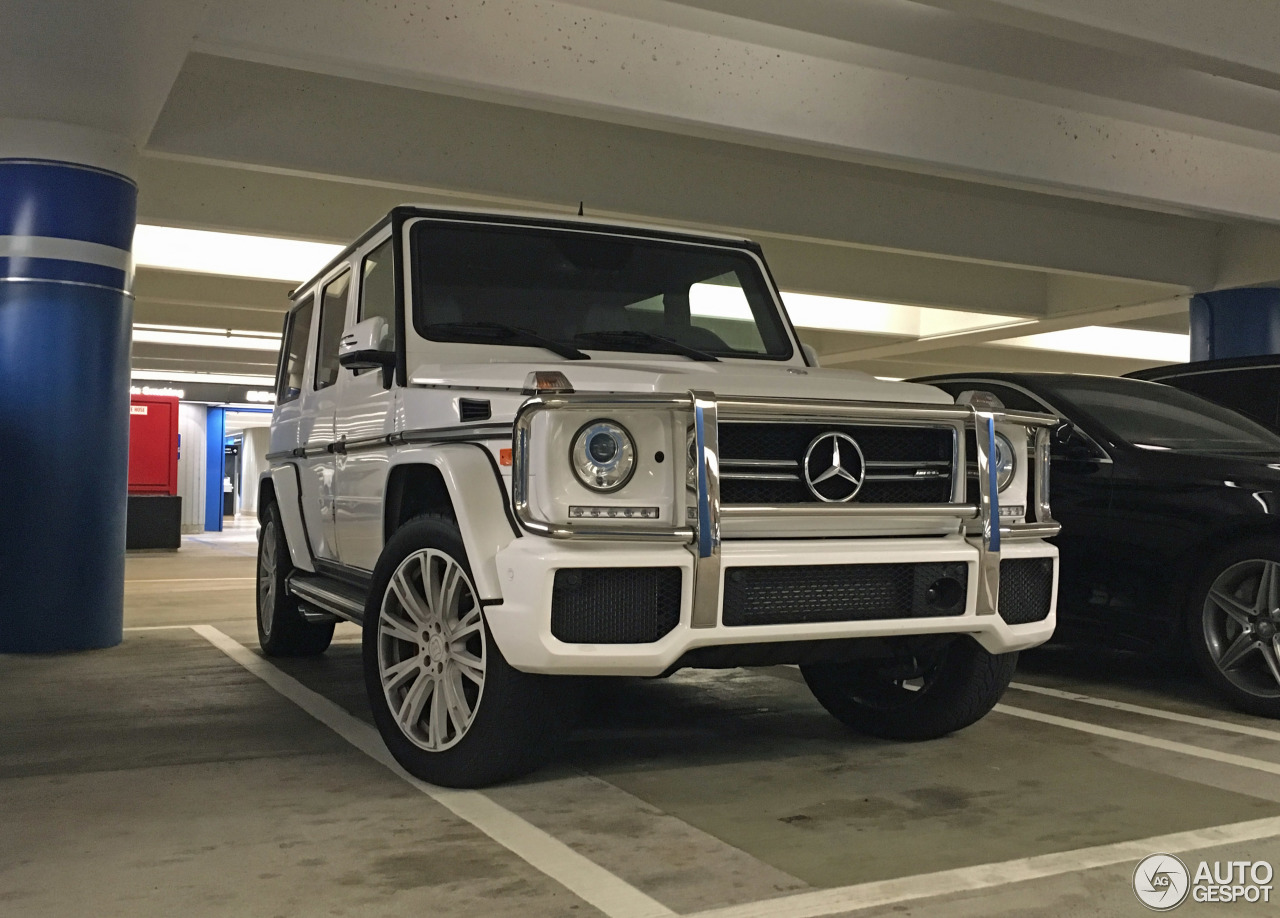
{"x": 498, "y": 331}
{"x": 629, "y": 336}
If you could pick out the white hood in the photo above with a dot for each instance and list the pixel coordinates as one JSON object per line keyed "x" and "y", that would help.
{"x": 753, "y": 378}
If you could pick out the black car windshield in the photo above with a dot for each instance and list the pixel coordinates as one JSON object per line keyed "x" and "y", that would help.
{"x": 592, "y": 292}
{"x": 1152, "y": 416}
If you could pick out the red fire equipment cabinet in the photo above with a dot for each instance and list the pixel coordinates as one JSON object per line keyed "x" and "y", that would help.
{"x": 155, "y": 510}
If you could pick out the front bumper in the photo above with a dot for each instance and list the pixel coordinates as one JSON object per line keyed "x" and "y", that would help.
{"x": 521, "y": 623}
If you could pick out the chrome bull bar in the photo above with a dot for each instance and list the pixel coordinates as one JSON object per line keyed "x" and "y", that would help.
{"x": 704, "y": 537}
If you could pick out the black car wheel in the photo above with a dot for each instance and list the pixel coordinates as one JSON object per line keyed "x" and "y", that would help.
{"x": 941, "y": 687}
{"x": 1234, "y": 625}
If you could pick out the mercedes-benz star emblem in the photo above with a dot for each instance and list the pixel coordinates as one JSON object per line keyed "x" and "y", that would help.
{"x": 834, "y": 467}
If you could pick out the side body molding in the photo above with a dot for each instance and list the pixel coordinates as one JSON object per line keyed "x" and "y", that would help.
{"x": 479, "y": 502}
{"x": 285, "y": 480}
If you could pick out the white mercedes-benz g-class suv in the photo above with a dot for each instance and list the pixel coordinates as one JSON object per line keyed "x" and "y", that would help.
{"x": 518, "y": 449}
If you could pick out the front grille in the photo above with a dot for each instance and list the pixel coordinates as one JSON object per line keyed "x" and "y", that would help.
{"x": 615, "y": 605}
{"x": 1026, "y": 590}
{"x": 762, "y": 463}
{"x": 800, "y": 594}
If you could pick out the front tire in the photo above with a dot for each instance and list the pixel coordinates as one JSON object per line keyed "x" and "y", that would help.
{"x": 282, "y": 631}
{"x": 451, "y": 710}
{"x": 938, "y": 689}
{"x": 1233, "y": 623}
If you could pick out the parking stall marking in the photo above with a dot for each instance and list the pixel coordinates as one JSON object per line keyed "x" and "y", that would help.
{"x": 618, "y": 899}
{"x": 1141, "y": 739}
{"x": 880, "y": 893}
{"x": 589, "y": 881}
{"x": 792, "y": 674}
{"x": 1210, "y": 723}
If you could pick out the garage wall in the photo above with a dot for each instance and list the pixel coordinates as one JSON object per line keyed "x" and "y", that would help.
{"x": 253, "y": 462}
{"x": 191, "y": 464}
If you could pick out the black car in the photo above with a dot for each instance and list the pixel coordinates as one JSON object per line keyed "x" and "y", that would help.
{"x": 1250, "y": 385}
{"x": 1170, "y": 512}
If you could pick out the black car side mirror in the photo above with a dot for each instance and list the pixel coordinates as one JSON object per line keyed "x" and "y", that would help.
{"x": 1067, "y": 443}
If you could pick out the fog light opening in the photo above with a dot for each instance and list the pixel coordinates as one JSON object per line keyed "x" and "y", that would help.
{"x": 944, "y": 593}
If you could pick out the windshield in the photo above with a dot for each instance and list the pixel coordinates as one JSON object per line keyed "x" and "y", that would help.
{"x": 1152, "y": 416}
{"x": 499, "y": 284}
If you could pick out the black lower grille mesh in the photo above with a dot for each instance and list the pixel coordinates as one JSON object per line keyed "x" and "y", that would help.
{"x": 843, "y": 592}
{"x": 615, "y": 605}
{"x": 764, "y": 491}
{"x": 1026, "y": 590}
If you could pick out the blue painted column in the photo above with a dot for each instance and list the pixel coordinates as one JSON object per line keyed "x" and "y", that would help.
{"x": 1244, "y": 322}
{"x": 65, "y": 324}
{"x": 215, "y": 455}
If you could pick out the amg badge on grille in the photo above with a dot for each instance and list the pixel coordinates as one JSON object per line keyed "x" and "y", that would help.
{"x": 833, "y": 467}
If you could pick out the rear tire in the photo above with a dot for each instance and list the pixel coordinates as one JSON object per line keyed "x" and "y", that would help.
{"x": 936, "y": 691}
{"x": 282, "y": 631}
{"x": 451, "y": 710}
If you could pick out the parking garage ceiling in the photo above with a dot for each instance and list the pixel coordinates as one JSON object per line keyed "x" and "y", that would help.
{"x": 1060, "y": 164}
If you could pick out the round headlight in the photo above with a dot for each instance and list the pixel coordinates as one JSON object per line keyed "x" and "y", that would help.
{"x": 603, "y": 455}
{"x": 1005, "y": 460}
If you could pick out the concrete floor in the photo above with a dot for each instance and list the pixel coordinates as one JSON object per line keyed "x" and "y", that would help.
{"x": 182, "y": 773}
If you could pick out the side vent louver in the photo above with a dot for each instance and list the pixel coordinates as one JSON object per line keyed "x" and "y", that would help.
{"x": 474, "y": 409}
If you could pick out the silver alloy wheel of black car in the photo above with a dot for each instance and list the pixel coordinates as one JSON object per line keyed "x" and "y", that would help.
{"x": 1241, "y": 626}
{"x": 431, "y": 649}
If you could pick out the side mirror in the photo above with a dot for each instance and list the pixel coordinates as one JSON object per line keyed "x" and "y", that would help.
{"x": 1067, "y": 443}
{"x": 364, "y": 346}
{"x": 810, "y": 354}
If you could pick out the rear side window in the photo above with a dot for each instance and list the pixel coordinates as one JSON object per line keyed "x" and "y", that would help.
{"x": 378, "y": 288}
{"x": 289, "y": 386}
{"x": 333, "y": 315}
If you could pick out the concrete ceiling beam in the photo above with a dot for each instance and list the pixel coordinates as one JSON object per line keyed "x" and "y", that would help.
{"x": 564, "y": 57}
{"x": 932, "y": 42}
{"x": 310, "y": 124}
{"x": 186, "y": 288}
{"x": 106, "y": 65}
{"x": 1231, "y": 38}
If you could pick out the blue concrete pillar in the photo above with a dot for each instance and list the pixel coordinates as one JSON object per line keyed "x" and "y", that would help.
{"x": 215, "y": 454}
{"x": 1244, "y": 322}
{"x": 65, "y": 321}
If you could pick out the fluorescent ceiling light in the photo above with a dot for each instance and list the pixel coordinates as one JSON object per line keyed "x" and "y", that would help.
{"x": 206, "y": 337}
{"x": 1101, "y": 341}
{"x": 232, "y": 254}
{"x": 230, "y": 379}
{"x": 808, "y": 310}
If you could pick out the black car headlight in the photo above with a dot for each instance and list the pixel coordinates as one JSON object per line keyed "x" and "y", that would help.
{"x": 603, "y": 455}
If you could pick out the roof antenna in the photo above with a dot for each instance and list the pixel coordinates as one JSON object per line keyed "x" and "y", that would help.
{"x": 579, "y": 208}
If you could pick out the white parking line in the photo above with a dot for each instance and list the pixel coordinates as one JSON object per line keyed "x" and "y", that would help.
{"x": 1141, "y": 739}
{"x": 1127, "y": 736}
{"x": 190, "y": 580}
{"x": 155, "y": 628}
{"x": 988, "y": 876}
{"x": 1208, "y": 722}
{"x": 589, "y": 881}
